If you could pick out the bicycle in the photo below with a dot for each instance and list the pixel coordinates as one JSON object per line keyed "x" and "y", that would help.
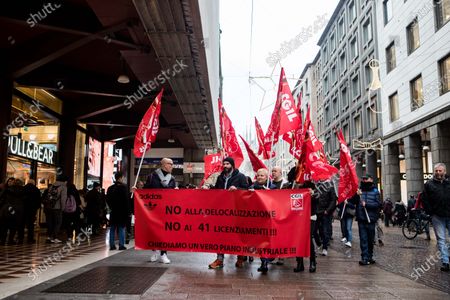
{"x": 415, "y": 225}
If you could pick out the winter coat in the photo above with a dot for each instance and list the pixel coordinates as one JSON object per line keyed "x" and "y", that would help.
{"x": 154, "y": 182}
{"x": 373, "y": 205}
{"x": 117, "y": 199}
{"x": 237, "y": 179}
{"x": 62, "y": 195}
{"x": 436, "y": 197}
{"x": 32, "y": 199}
{"x": 326, "y": 197}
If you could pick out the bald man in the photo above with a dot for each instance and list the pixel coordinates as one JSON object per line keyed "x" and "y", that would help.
{"x": 277, "y": 177}
{"x": 161, "y": 178}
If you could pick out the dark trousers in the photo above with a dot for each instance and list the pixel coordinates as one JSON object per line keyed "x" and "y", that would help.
{"x": 325, "y": 229}
{"x": 366, "y": 239}
{"x": 312, "y": 248}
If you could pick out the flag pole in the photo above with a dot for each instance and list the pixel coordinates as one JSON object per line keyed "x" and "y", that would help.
{"x": 270, "y": 160}
{"x": 143, "y": 152}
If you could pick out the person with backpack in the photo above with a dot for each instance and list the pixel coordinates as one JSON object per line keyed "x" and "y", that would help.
{"x": 71, "y": 213}
{"x": 55, "y": 203}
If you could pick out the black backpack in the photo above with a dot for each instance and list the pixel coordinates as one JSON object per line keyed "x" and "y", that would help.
{"x": 50, "y": 199}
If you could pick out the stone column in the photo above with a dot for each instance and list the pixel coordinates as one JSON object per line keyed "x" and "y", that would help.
{"x": 440, "y": 144}
{"x": 391, "y": 172}
{"x": 414, "y": 164}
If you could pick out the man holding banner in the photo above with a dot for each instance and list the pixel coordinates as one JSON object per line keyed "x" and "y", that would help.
{"x": 230, "y": 179}
{"x": 161, "y": 178}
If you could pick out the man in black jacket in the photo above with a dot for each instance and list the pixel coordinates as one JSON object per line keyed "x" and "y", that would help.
{"x": 436, "y": 201}
{"x": 326, "y": 206}
{"x": 230, "y": 179}
{"x": 117, "y": 199}
{"x": 32, "y": 204}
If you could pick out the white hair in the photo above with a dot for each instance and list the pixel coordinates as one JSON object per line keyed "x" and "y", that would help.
{"x": 440, "y": 165}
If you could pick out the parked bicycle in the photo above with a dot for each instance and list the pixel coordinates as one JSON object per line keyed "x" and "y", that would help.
{"x": 416, "y": 223}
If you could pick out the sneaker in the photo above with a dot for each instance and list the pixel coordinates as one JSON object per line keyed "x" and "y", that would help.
{"x": 348, "y": 244}
{"x": 122, "y": 248}
{"x": 164, "y": 259}
{"x": 344, "y": 240}
{"x": 56, "y": 241}
{"x": 217, "y": 264}
{"x": 280, "y": 262}
{"x": 112, "y": 248}
{"x": 445, "y": 267}
{"x": 154, "y": 256}
{"x": 239, "y": 262}
{"x": 372, "y": 261}
{"x": 324, "y": 252}
{"x": 48, "y": 240}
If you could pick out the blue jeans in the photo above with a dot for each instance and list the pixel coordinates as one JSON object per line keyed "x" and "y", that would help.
{"x": 441, "y": 225}
{"x": 348, "y": 228}
{"x": 366, "y": 238}
{"x": 112, "y": 232}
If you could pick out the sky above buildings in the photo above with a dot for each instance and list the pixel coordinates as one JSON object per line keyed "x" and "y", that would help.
{"x": 286, "y": 29}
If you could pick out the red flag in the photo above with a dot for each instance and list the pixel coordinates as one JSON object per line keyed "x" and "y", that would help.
{"x": 260, "y": 137}
{"x": 148, "y": 128}
{"x": 295, "y": 137}
{"x": 230, "y": 143}
{"x": 312, "y": 164}
{"x": 285, "y": 116}
{"x": 213, "y": 164}
{"x": 348, "y": 180}
{"x": 256, "y": 162}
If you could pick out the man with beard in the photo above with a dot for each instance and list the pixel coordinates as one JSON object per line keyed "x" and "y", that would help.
{"x": 230, "y": 179}
{"x": 436, "y": 201}
{"x": 368, "y": 207}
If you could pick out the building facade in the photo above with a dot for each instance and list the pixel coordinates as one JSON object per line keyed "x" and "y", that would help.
{"x": 414, "y": 55}
{"x": 346, "y": 98}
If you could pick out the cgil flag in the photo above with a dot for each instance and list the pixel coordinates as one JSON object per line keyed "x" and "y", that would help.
{"x": 312, "y": 164}
{"x": 285, "y": 116}
{"x": 348, "y": 180}
{"x": 148, "y": 128}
